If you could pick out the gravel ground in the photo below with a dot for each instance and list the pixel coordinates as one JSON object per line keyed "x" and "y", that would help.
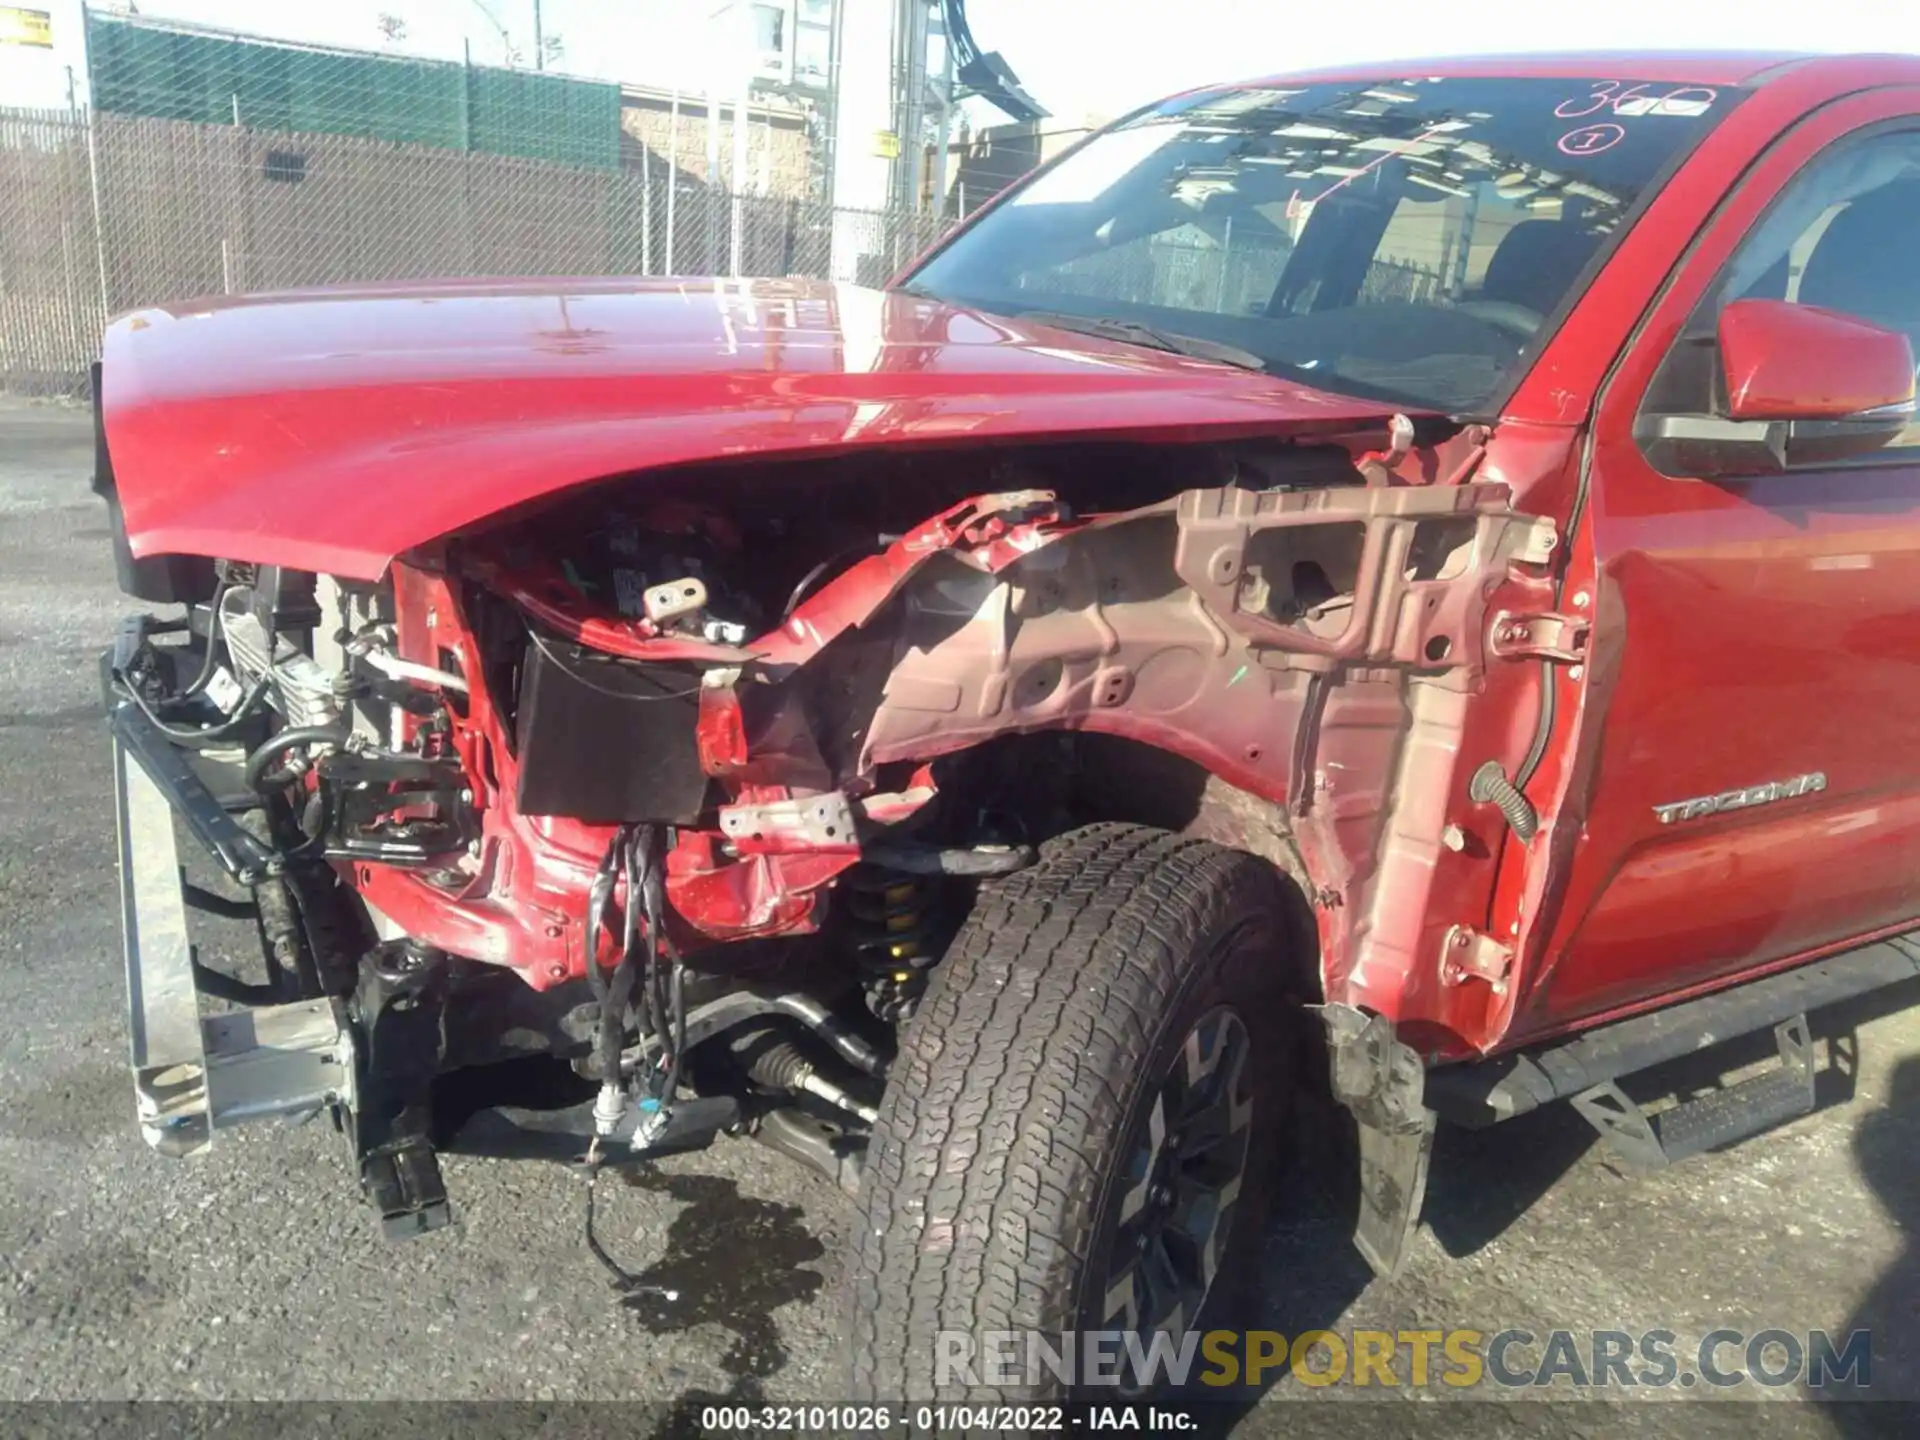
{"x": 254, "y": 1272}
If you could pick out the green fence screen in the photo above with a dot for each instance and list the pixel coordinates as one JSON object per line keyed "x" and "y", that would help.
{"x": 174, "y": 74}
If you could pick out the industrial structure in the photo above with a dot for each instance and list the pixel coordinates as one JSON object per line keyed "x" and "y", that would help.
{"x": 884, "y": 79}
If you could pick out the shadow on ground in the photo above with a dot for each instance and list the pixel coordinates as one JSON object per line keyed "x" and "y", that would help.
{"x": 1885, "y": 1146}
{"x": 1483, "y": 1181}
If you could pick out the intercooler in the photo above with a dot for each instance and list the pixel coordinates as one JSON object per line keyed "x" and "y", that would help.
{"x": 298, "y": 686}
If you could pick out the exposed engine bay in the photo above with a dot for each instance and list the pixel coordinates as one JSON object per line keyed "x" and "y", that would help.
{"x": 682, "y": 782}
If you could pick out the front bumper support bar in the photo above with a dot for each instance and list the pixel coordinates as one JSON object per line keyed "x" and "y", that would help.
{"x": 240, "y": 854}
{"x": 195, "y": 1074}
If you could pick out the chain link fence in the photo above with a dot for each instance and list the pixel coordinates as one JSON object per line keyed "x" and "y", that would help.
{"x": 106, "y": 212}
{"x": 51, "y": 298}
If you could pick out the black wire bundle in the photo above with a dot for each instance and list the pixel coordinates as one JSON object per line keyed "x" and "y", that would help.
{"x": 200, "y": 736}
{"x": 636, "y": 855}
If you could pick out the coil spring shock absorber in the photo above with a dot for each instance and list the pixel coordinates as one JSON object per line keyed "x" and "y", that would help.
{"x": 892, "y": 923}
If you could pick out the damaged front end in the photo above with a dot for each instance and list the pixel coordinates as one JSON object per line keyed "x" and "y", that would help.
{"x": 714, "y": 764}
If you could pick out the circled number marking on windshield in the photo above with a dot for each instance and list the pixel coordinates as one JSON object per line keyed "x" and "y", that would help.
{"x": 1592, "y": 139}
{"x": 1618, "y": 98}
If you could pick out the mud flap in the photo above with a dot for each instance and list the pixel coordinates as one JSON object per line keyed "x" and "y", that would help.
{"x": 1381, "y": 1082}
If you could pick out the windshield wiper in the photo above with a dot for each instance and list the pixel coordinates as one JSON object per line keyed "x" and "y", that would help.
{"x": 1134, "y": 333}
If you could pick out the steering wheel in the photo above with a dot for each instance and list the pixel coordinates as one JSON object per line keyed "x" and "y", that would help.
{"x": 1504, "y": 315}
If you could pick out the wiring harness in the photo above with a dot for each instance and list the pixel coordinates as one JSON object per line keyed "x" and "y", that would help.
{"x": 646, "y": 980}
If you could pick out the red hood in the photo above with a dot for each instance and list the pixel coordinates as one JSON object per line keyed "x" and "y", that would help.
{"x": 332, "y": 430}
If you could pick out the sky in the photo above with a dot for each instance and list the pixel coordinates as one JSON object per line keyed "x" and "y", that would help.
{"x": 1079, "y": 58}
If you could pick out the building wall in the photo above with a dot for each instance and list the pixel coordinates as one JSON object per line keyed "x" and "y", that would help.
{"x": 779, "y": 158}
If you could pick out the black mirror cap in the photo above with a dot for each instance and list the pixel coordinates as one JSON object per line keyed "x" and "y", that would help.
{"x": 1709, "y": 447}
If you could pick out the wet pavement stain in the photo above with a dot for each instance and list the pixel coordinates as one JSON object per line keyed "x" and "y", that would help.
{"x": 730, "y": 1260}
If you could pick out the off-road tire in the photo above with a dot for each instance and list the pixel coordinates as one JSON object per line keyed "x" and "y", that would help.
{"x": 1024, "y": 1082}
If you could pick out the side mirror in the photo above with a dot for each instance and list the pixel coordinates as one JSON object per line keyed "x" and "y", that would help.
{"x": 1803, "y": 385}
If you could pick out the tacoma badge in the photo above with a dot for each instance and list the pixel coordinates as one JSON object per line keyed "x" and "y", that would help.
{"x": 1739, "y": 799}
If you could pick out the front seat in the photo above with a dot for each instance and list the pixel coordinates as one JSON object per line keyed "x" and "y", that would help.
{"x": 1536, "y": 264}
{"x": 1864, "y": 263}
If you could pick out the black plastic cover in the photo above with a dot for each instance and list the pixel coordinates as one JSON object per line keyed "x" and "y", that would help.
{"x": 607, "y": 740}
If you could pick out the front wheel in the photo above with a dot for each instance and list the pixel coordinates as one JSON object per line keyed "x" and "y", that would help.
{"x": 1080, "y": 1128}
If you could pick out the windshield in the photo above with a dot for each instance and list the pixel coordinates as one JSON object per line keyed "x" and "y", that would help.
{"x": 1405, "y": 239}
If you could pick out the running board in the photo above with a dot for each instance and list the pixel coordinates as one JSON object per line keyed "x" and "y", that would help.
{"x": 195, "y": 1074}
{"x": 1485, "y": 1092}
{"x": 1716, "y": 1119}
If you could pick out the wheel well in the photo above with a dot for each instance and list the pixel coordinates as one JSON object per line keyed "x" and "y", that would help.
{"x": 1050, "y": 783}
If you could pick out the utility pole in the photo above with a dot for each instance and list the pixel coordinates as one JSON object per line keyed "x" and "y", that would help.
{"x": 910, "y": 102}
{"x": 866, "y": 146}
{"x": 737, "y": 173}
{"x": 946, "y": 122}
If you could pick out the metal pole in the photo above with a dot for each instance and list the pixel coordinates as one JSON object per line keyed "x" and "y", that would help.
{"x": 713, "y": 138}
{"x": 1458, "y": 281}
{"x": 737, "y": 179}
{"x": 78, "y": 341}
{"x": 712, "y": 266}
{"x": 646, "y": 208}
{"x": 836, "y": 22}
{"x": 673, "y": 172}
{"x": 466, "y": 148}
{"x": 913, "y": 124}
{"x": 1220, "y": 282}
{"x": 946, "y": 122}
{"x": 737, "y": 176}
{"x": 93, "y": 166}
{"x": 539, "y": 40}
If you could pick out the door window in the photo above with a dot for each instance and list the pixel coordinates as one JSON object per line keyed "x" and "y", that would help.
{"x": 1840, "y": 237}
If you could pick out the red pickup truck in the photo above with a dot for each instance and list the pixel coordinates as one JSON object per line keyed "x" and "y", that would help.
{"x": 1395, "y": 582}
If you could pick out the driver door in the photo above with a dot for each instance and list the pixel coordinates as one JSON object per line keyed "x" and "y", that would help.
{"x": 1760, "y": 631}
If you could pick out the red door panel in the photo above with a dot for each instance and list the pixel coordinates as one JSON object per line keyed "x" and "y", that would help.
{"x": 1772, "y": 631}
{"x": 1746, "y": 632}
